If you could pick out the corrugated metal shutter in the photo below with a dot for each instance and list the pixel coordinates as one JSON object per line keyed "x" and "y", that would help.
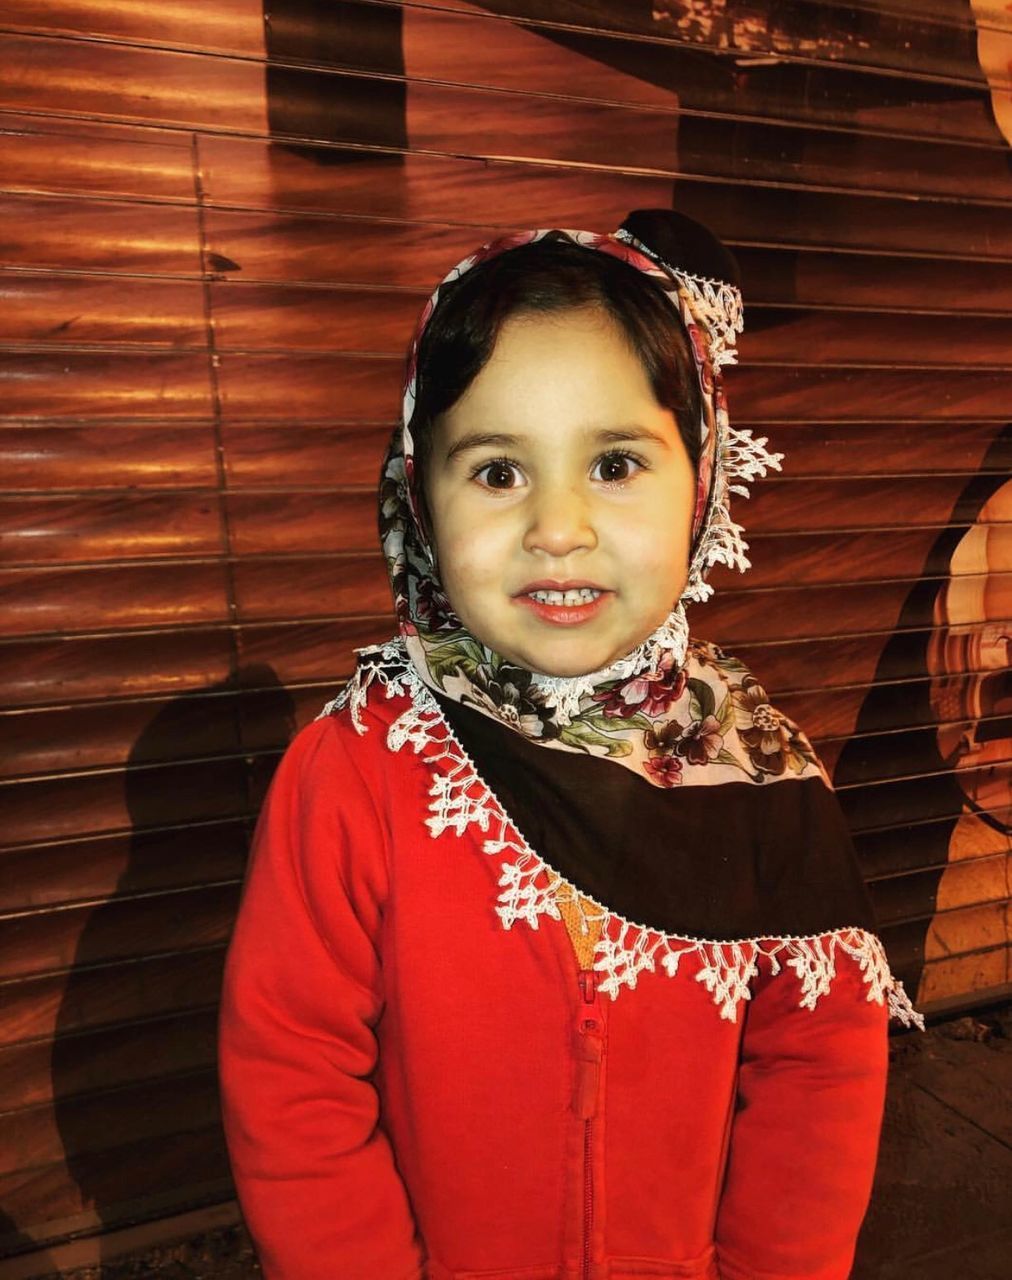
{"x": 218, "y": 227}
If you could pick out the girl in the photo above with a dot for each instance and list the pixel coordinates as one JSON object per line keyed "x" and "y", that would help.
{"x": 553, "y": 959}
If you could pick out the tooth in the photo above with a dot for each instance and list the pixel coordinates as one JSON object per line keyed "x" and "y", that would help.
{"x": 576, "y": 596}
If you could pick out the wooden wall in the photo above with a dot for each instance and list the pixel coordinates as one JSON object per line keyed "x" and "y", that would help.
{"x": 219, "y": 221}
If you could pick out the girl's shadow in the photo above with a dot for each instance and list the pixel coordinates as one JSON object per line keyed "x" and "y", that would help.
{"x": 133, "y": 1063}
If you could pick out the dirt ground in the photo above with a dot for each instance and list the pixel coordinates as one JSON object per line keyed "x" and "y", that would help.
{"x": 939, "y": 1207}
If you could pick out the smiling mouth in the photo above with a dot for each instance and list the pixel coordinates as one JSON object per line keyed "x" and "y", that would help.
{"x": 570, "y": 599}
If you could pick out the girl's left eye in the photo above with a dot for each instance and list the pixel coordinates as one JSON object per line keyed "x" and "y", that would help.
{"x": 616, "y": 466}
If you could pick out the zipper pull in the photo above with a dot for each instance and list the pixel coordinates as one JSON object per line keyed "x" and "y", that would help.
{"x": 588, "y": 1050}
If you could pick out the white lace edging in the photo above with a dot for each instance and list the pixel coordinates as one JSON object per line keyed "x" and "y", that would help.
{"x": 459, "y": 798}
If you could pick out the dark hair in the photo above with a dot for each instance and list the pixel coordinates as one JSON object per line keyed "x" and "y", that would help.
{"x": 554, "y": 274}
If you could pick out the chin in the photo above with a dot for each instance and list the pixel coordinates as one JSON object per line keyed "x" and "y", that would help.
{"x": 574, "y": 660}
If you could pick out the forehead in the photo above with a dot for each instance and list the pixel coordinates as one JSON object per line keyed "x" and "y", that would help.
{"x": 560, "y": 361}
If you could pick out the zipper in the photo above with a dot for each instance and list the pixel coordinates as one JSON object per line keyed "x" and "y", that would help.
{"x": 588, "y": 1075}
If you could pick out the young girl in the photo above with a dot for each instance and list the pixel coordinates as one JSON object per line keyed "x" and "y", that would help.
{"x": 554, "y": 960}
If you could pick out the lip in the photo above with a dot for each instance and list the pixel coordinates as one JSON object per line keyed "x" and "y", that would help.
{"x": 560, "y": 584}
{"x": 562, "y": 615}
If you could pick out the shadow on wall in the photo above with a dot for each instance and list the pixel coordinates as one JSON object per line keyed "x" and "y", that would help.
{"x": 953, "y": 640}
{"x": 134, "y": 1056}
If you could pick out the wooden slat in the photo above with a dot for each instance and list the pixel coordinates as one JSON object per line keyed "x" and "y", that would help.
{"x": 145, "y": 731}
{"x": 91, "y": 310}
{"x": 37, "y": 671}
{"x": 122, "y": 526}
{"x": 124, "y": 926}
{"x": 66, "y": 599}
{"x": 42, "y": 232}
{"x": 109, "y": 1058}
{"x": 92, "y": 996}
{"x": 85, "y": 158}
{"x": 81, "y": 1129}
{"x": 57, "y": 1199}
{"x": 102, "y": 867}
{"x": 95, "y": 456}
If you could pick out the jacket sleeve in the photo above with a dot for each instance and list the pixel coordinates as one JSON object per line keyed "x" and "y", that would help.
{"x": 314, "y": 1171}
{"x": 805, "y": 1133}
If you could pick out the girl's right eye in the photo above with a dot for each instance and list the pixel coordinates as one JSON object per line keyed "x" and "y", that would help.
{"x": 500, "y": 473}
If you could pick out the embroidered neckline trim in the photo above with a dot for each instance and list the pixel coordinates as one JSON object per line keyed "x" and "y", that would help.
{"x": 460, "y": 797}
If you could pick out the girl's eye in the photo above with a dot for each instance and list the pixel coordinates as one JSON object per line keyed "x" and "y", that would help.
{"x": 498, "y": 474}
{"x": 615, "y": 466}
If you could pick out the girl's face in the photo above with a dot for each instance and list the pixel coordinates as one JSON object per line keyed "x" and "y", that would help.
{"x": 561, "y": 496}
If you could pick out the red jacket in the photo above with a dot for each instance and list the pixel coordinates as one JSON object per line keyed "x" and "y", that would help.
{"x": 410, "y": 1089}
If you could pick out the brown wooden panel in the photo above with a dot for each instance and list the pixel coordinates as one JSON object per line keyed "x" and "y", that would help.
{"x": 98, "y": 235}
{"x": 76, "y": 77}
{"x": 801, "y": 29}
{"x": 832, "y": 712}
{"x": 883, "y": 338}
{"x": 54, "y": 1200}
{"x": 952, "y": 977}
{"x": 59, "y": 807}
{"x": 888, "y": 448}
{"x": 883, "y": 856}
{"x": 812, "y": 277}
{"x": 311, "y": 587}
{"x": 782, "y": 504}
{"x": 89, "y": 599}
{"x": 144, "y": 731}
{"x": 739, "y": 617}
{"x": 74, "y": 384}
{"x": 854, "y": 557}
{"x": 120, "y": 928}
{"x": 116, "y": 526}
{"x": 253, "y": 316}
{"x": 106, "y": 1059}
{"x": 85, "y": 158}
{"x": 124, "y": 864}
{"x": 262, "y": 174}
{"x": 66, "y": 668}
{"x": 302, "y": 318}
{"x": 913, "y": 753}
{"x": 973, "y": 883}
{"x": 108, "y": 733}
{"x": 889, "y": 804}
{"x": 314, "y": 650}
{"x": 304, "y": 387}
{"x": 801, "y": 666}
{"x": 85, "y": 1126}
{"x": 100, "y": 995}
{"x": 106, "y": 457}
{"x": 796, "y": 219}
{"x": 234, "y": 26}
{"x": 302, "y": 248}
{"x": 836, "y": 394}
{"x": 307, "y": 522}
{"x": 80, "y": 309}
{"x": 304, "y": 456}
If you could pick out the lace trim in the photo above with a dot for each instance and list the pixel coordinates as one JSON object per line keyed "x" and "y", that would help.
{"x": 532, "y": 889}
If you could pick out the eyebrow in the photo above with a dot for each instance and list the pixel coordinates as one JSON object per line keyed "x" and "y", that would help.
{"x": 502, "y": 439}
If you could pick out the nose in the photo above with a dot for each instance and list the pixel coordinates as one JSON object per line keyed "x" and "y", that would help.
{"x": 560, "y": 521}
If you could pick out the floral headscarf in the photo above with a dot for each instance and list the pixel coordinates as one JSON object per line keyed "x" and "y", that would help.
{"x": 645, "y": 710}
